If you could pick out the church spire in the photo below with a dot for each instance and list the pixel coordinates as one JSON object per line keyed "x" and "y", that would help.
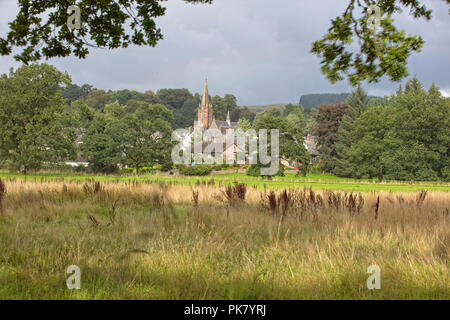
{"x": 205, "y": 98}
{"x": 228, "y": 118}
{"x": 205, "y": 110}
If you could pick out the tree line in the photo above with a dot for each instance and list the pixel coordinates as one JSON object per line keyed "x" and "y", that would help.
{"x": 46, "y": 119}
{"x": 43, "y": 114}
{"x": 403, "y": 137}
{"x": 181, "y": 102}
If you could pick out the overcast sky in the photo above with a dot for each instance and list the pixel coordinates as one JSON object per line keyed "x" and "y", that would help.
{"x": 258, "y": 50}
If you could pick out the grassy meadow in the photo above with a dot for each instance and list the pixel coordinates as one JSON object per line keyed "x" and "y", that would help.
{"x": 146, "y": 239}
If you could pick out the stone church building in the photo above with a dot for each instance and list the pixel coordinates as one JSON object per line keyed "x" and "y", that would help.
{"x": 206, "y": 119}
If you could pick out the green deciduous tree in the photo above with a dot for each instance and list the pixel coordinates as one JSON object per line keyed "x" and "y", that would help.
{"x": 418, "y": 139}
{"x": 290, "y": 108}
{"x": 221, "y": 106}
{"x": 40, "y": 27}
{"x": 173, "y": 98}
{"x": 368, "y": 136}
{"x": 144, "y": 137}
{"x": 380, "y": 53}
{"x": 141, "y": 138}
{"x": 291, "y": 137}
{"x": 75, "y": 92}
{"x": 296, "y": 116}
{"x": 187, "y": 114}
{"x": 99, "y": 146}
{"x": 97, "y": 99}
{"x": 33, "y": 123}
{"x": 81, "y": 116}
{"x": 244, "y": 124}
{"x": 406, "y": 137}
{"x": 242, "y": 113}
{"x": 183, "y": 105}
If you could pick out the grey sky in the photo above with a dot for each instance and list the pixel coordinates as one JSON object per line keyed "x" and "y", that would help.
{"x": 257, "y": 50}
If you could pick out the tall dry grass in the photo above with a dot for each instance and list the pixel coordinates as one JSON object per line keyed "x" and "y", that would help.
{"x": 167, "y": 241}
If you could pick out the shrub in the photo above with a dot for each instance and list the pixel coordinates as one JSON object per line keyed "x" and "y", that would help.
{"x": 81, "y": 169}
{"x": 147, "y": 170}
{"x": 197, "y": 170}
{"x": 446, "y": 173}
{"x": 315, "y": 169}
{"x": 126, "y": 170}
{"x": 255, "y": 171}
{"x": 57, "y": 166}
{"x": 165, "y": 166}
{"x": 103, "y": 168}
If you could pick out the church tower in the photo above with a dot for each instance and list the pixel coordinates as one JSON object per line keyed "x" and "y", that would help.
{"x": 205, "y": 111}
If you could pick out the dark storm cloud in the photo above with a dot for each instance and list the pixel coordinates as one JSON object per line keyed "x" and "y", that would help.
{"x": 255, "y": 49}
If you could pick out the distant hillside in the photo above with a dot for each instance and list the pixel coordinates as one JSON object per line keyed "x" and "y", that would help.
{"x": 309, "y": 101}
{"x": 260, "y": 108}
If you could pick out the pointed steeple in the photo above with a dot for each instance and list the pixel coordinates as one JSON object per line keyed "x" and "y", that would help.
{"x": 205, "y": 98}
{"x": 228, "y": 118}
{"x": 205, "y": 110}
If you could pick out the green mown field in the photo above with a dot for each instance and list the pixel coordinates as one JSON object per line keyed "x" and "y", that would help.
{"x": 290, "y": 180}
